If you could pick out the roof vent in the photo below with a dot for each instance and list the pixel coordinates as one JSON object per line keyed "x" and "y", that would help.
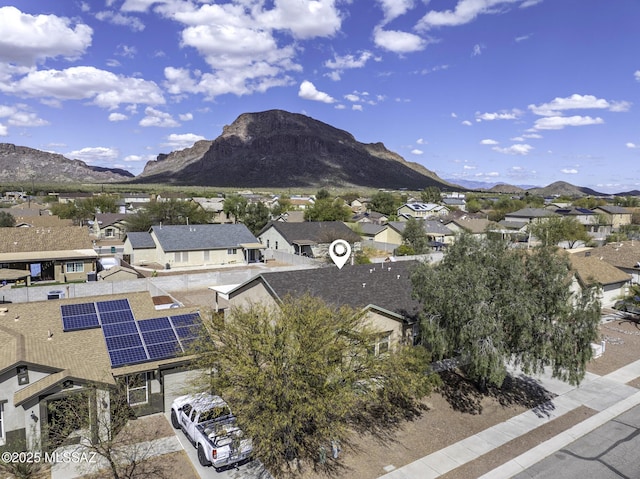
{"x": 49, "y": 335}
{"x": 364, "y": 284}
{"x": 398, "y": 277}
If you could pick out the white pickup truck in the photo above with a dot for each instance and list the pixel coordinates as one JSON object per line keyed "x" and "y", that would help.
{"x": 207, "y": 422}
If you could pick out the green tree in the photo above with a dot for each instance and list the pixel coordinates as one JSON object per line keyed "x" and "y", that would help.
{"x": 302, "y": 375}
{"x": 323, "y": 195}
{"x": 7, "y": 220}
{"x": 431, "y": 194}
{"x": 488, "y": 304}
{"x": 236, "y": 206}
{"x": 554, "y": 230}
{"x": 384, "y": 202}
{"x": 328, "y": 209}
{"x": 256, "y": 217}
{"x": 414, "y": 236}
{"x": 172, "y": 212}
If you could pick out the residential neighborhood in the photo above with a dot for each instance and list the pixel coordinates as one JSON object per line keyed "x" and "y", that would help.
{"x": 106, "y": 302}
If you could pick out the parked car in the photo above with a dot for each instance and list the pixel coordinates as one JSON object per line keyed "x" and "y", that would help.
{"x": 210, "y": 426}
{"x": 627, "y": 306}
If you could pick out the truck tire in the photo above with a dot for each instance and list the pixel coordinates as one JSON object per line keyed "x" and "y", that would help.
{"x": 174, "y": 420}
{"x": 202, "y": 458}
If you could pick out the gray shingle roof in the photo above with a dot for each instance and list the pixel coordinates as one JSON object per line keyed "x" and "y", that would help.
{"x": 430, "y": 227}
{"x": 316, "y": 231}
{"x": 141, "y": 240}
{"x": 202, "y": 237}
{"x": 387, "y": 286}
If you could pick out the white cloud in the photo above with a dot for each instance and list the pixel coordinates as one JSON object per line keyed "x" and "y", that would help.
{"x": 98, "y": 154}
{"x": 517, "y": 138}
{"x": 395, "y": 8}
{"x": 318, "y": 18}
{"x": 469, "y": 167}
{"x": 556, "y": 106}
{"x": 637, "y": 75}
{"x": 529, "y": 3}
{"x": 453, "y": 115}
{"x": 467, "y": 123}
{"x": 426, "y": 71}
{"x": 158, "y": 118}
{"x": 517, "y": 149}
{"x": 138, "y": 158}
{"x": 569, "y": 171}
{"x": 534, "y": 136}
{"x": 349, "y": 61}
{"x": 106, "y": 89}
{"x": 522, "y": 38}
{"x": 416, "y": 151}
{"x": 500, "y": 115}
{"x": 488, "y": 141}
{"x": 632, "y": 145}
{"x": 127, "y": 51}
{"x": 308, "y": 91}
{"x": 351, "y": 97}
{"x": 398, "y": 42}
{"x": 3, "y": 130}
{"x": 421, "y": 141}
{"x": 118, "y": 117}
{"x": 466, "y": 11}
{"x": 29, "y": 39}
{"x": 185, "y": 116}
{"x": 559, "y": 122}
{"x": 182, "y": 141}
{"x": 116, "y": 18}
{"x": 477, "y": 50}
{"x": 356, "y": 107}
{"x": 19, "y": 115}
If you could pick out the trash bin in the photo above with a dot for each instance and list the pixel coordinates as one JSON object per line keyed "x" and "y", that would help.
{"x": 113, "y": 249}
{"x": 167, "y": 266}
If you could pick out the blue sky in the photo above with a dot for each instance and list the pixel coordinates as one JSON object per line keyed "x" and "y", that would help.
{"x": 515, "y": 91}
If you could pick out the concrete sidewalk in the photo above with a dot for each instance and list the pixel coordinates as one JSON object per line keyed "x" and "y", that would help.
{"x": 607, "y": 394}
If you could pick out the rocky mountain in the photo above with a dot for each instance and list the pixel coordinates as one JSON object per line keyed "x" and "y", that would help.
{"x": 276, "y": 148}
{"x": 23, "y": 164}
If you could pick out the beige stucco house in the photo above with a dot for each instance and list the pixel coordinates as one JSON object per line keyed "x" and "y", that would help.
{"x": 60, "y": 254}
{"x": 193, "y": 245}
{"x": 383, "y": 292}
{"x": 590, "y": 270}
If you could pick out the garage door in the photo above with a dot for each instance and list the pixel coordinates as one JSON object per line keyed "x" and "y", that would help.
{"x": 177, "y": 384}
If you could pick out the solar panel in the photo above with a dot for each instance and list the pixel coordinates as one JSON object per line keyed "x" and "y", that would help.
{"x": 77, "y": 309}
{"x": 123, "y": 342}
{"x": 186, "y": 343}
{"x": 154, "y": 324}
{"x": 113, "y": 305}
{"x": 164, "y": 350}
{"x": 188, "y": 331}
{"x": 116, "y": 317}
{"x": 76, "y": 323}
{"x": 122, "y": 357}
{"x": 159, "y": 336}
{"x": 119, "y": 329}
{"x": 185, "y": 319}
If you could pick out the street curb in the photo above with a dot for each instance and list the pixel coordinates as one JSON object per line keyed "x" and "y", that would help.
{"x": 549, "y": 447}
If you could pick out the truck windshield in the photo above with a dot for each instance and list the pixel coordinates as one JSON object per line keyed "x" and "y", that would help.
{"x": 214, "y": 413}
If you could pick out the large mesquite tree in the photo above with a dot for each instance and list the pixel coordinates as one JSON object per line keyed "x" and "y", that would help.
{"x": 488, "y": 305}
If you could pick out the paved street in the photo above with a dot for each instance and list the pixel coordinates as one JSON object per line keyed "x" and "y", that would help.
{"x": 609, "y": 452}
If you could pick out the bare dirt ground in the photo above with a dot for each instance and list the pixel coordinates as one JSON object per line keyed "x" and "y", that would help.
{"x": 622, "y": 345}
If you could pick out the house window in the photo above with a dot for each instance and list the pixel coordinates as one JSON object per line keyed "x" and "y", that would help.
{"x": 267, "y": 243}
{"x": 276, "y": 244}
{"x": 232, "y": 251}
{"x": 23, "y": 375}
{"x": 137, "y": 389}
{"x": 181, "y": 256}
{"x": 109, "y": 233}
{"x": 381, "y": 345}
{"x": 75, "y": 267}
{"x": 207, "y": 256}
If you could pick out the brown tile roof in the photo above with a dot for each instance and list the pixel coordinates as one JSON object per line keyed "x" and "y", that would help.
{"x": 42, "y": 221}
{"x": 31, "y": 333}
{"x": 27, "y": 240}
{"x": 473, "y": 225}
{"x": 591, "y": 269}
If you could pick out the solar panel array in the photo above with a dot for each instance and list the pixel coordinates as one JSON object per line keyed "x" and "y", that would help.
{"x": 129, "y": 341}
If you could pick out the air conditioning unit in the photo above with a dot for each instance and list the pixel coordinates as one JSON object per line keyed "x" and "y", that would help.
{"x": 57, "y": 294}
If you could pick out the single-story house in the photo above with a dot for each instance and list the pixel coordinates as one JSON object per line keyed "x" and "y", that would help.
{"x": 43, "y": 221}
{"x": 459, "y": 203}
{"x": 59, "y": 254}
{"x": 383, "y": 291}
{"x": 422, "y": 210}
{"x": 193, "y": 245}
{"x": 590, "y": 270}
{"x": 370, "y": 217}
{"x": 477, "y": 227}
{"x": 118, "y": 273}
{"x": 529, "y": 215}
{"x": 215, "y": 206}
{"x": 437, "y": 233}
{"x": 295, "y": 216}
{"x": 624, "y": 255}
{"x": 311, "y": 238}
{"x": 51, "y": 349}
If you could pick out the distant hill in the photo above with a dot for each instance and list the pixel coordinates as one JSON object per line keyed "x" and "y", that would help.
{"x": 23, "y": 164}
{"x": 276, "y": 148}
{"x": 562, "y": 188}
